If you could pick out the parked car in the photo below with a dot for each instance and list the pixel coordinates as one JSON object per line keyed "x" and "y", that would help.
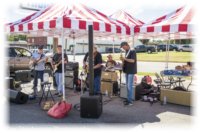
{"x": 145, "y": 48}
{"x": 44, "y": 50}
{"x": 19, "y": 58}
{"x": 110, "y": 50}
{"x": 162, "y": 47}
{"x": 186, "y": 48}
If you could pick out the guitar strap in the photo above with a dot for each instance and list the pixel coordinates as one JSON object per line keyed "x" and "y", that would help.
{"x": 128, "y": 53}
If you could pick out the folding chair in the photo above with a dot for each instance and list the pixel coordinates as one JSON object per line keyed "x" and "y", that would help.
{"x": 160, "y": 82}
{"x": 169, "y": 79}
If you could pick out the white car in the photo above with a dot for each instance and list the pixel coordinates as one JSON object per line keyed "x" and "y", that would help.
{"x": 44, "y": 50}
{"x": 186, "y": 48}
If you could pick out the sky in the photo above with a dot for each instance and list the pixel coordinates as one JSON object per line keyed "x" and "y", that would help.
{"x": 144, "y": 10}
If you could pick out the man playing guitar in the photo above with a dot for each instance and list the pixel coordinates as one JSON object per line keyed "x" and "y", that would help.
{"x": 38, "y": 62}
{"x": 97, "y": 58}
{"x": 57, "y": 66}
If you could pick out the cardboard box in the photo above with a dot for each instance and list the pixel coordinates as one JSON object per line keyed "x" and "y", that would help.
{"x": 107, "y": 86}
{"x": 109, "y": 76}
{"x": 177, "y": 97}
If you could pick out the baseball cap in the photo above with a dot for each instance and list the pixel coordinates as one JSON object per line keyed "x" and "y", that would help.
{"x": 40, "y": 47}
{"x": 123, "y": 44}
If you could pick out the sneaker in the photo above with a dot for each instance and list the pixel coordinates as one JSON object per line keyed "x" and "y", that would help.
{"x": 125, "y": 101}
{"x": 32, "y": 97}
{"x": 128, "y": 103}
{"x": 60, "y": 95}
{"x": 56, "y": 93}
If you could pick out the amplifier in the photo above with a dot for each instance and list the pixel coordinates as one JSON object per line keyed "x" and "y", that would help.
{"x": 123, "y": 91}
{"x": 69, "y": 82}
{"x": 23, "y": 75}
{"x": 91, "y": 106}
{"x": 72, "y": 66}
{"x": 69, "y": 73}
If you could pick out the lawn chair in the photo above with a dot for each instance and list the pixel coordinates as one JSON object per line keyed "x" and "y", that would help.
{"x": 169, "y": 79}
{"x": 160, "y": 82}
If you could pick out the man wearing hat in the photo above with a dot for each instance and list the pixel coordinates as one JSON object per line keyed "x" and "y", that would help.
{"x": 38, "y": 59}
{"x": 110, "y": 62}
{"x": 57, "y": 66}
{"x": 129, "y": 68}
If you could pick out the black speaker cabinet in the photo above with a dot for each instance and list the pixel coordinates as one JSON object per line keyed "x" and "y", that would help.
{"x": 91, "y": 106}
{"x": 18, "y": 97}
{"x": 23, "y": 75}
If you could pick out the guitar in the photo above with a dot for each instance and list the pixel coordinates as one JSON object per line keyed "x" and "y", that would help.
{"x": 121, "y": 56}
{"x": 86, "y": 67}
{"x": 57, "y": 64}
{"x": 34, "y": 62}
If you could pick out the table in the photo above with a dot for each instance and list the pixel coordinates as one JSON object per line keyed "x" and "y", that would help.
{"x": 179, "y": 77}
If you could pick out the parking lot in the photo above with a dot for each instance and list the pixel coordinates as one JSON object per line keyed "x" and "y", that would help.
{"x": 141, "y": 114}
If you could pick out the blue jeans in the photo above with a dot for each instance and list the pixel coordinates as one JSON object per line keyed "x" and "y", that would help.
{"x": 58, "y": 77}
{"x": 97, "y": 84}
{"x": 37, "y": 74}
{"x": 129, "y": 86}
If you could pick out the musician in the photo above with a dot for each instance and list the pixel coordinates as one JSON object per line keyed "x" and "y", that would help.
{"x": 57, "y": 66}
{"x": 110, "y": 62}
{"x": 38, "y": 60}
{"x": 129, "y": 68}
{"x": 97, "y": 58}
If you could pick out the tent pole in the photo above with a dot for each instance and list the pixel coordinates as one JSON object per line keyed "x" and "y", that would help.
{"x": 63, "y": 71}
{"x": 167, "y": 52}
{"x": 113, "y": 45}
{"x": 74, "y": 49}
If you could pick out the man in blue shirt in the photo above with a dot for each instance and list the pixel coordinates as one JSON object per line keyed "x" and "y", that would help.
{"x": 38, "y": 60}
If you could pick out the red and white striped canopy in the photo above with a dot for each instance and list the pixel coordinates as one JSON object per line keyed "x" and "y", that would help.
{"x": 126, "y": 18}
{"x": 181, "y": 20}
{"x": 72, "y": 17}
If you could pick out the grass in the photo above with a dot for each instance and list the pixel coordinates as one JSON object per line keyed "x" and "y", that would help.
{"x": 179, "y": 57}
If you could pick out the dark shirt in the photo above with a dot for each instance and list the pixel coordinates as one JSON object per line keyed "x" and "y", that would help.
{"x": 97, "y": 60}
{"x": 130, "y": 68}
{"x": 56, "y": 58}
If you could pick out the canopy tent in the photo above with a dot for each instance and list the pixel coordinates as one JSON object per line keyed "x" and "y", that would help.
{"x": 178, "y": 23}
{"x": 126, "y": 18}
{"x": 68, "y": 21}
{"x": 73, "y": 18}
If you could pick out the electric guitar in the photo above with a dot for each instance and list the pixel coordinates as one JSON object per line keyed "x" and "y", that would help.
{"x": 34, "y": 62}
{"x": 86, "y": 67}
{"x": 123, "y": 60}
{"x": 56, "y": 66}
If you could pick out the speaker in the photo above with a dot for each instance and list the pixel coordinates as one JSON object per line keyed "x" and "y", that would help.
{"x": 91, "y": 106}
{"x": 18, "y": 97}
{"x": 69, "y": 82}
{"x": 23, "y": 75}
{"x": 72, "y": 66}
{"x": 123, "y": 91}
